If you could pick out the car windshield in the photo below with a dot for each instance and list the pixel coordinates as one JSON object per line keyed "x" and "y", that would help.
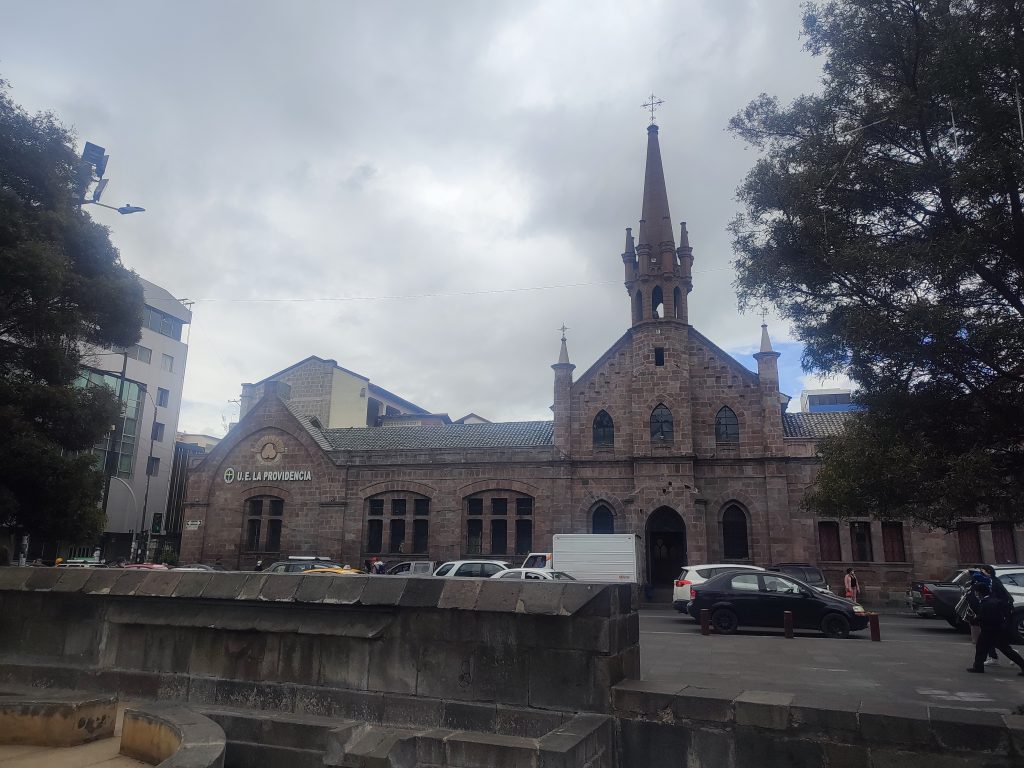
{"x": 560, "y": 576}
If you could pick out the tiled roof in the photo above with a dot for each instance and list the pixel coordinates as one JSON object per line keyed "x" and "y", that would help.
{"x": 814, "y": 425}
{"x": 307, "y": 421}
{"x": 513, "y": 434}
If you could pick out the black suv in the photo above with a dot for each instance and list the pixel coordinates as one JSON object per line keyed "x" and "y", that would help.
{"x": 807, "y": 573}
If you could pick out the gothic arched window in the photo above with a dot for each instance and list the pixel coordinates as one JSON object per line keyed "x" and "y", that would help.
{"x": 734, "y": 534}
{"x": 657, "y": 303}
{"x": 677, "y": 300}
{"x": 602, "y": 520}
{"x": 727, "y": 426}
{"x": 661, "y": 424}
{"x": 604, "y": 429}
{"x": 639, "y": 306}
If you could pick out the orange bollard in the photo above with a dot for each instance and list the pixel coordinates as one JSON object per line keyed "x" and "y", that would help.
{"x": 787, "y": 623}
{"x": 705, "y": 621}
{"x": 876, "y": 632}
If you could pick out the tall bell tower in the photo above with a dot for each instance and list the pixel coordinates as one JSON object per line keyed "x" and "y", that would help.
{"x": 658, "y": 274}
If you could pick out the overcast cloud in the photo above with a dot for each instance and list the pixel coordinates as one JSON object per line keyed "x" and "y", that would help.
{"x": 324, "y": 150}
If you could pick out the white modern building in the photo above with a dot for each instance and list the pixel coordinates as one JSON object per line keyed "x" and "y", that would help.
{"x": 154, "y": 374}
{"x": 827, "y": 401}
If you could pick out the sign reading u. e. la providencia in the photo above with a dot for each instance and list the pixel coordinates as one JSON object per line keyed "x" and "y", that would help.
{"x": 231, "y": 475}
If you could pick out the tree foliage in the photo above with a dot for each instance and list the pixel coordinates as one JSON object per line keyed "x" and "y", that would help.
{"x": 62, "y": 287}
{"x": 884, "y": 219}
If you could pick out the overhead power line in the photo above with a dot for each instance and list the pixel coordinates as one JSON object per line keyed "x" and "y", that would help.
{"x": 435, "y": 295}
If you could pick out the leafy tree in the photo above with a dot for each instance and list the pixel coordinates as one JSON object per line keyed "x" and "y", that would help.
{"x": 62, "y": 287}
{"x": 885, "y": 220}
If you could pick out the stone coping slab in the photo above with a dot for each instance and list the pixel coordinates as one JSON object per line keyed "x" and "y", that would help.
{"x": 534, "y": 597}
{"x": 55, "y": 718}
{"x": 940, "y": 729}
{"x": 172, "y": 736}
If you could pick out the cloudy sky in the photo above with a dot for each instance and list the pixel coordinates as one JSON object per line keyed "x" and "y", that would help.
{"x": 423, "y": 191}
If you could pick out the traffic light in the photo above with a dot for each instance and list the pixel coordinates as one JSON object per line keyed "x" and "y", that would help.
{"x": 158, "y": 522}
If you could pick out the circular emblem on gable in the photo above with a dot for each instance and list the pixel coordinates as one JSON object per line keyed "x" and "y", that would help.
{"x": 229, "y": 475}
{"x": 268, "y": 452}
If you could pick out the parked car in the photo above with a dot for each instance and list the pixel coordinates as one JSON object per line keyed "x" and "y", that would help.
{"x": 693, "y": 575}
{"x": 344, "y": 570}
{"x": 196, "y": 567}
{"x": 145, "y": 567}
{"x": 946, "y": 596}
{"x": 805, "y": 572}
{"x": 471, "y": 568}
{"x": 533, "y": 574}
{"x": 759, "y": 599}
{"x": 413, "y": 568}
{"x": 921, "y": 597}
{"x": 300, "y": 565}
{"x": 82, "y": 562}
{"x": 537, "y": 560}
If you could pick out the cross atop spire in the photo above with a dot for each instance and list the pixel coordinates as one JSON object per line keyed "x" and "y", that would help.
{"x": 563, "y": 329}
{"x": 652, "y": 105}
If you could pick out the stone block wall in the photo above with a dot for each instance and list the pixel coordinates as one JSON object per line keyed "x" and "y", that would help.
{"x": 320, "y": 643}
{"x": 684, "y": 726}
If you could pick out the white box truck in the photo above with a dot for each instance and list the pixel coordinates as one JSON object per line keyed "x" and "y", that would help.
{"x": 604, "y": 557}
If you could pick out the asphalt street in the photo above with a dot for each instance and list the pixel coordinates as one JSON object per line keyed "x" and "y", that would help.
{"x": 920, "y": 661}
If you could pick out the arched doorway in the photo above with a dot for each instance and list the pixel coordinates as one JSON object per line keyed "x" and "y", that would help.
{"x": 666, "y": 546}
{"x": 602, "y": 520}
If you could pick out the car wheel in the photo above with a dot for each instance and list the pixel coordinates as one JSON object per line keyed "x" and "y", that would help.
{"x": 724, "y": 621}
{"x": 835, "y": 625}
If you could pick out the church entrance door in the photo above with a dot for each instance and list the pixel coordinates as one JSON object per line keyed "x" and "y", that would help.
{"x": 666, "y": 546}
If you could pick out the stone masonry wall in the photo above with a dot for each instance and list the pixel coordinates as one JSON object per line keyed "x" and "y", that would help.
{"x": 327, "y": 514}
{"x": 694, "y": 727}
{"x": 303, "y": 643}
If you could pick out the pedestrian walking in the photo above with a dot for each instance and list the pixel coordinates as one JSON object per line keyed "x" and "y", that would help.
{"x": 991, "y": 615}
{"x": 966, "y": 614}
{"x": 851, "y": 585}
{"x": 999, "y": 591}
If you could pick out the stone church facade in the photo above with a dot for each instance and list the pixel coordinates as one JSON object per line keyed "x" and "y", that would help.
{"x": 665, "y": 436}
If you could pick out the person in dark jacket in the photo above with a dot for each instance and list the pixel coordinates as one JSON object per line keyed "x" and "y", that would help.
{"x": 1000, "y": 592}
{"x": 991, "y": 613}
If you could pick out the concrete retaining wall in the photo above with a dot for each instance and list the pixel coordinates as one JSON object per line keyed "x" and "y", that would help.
{"x": 319, "y": 642}
{"x": 172, "y": 736}
{"x": 756, "y": 729}
{"x": 56, "y": 721}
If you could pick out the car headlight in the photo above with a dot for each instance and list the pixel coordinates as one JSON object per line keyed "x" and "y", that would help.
{"x": 859, "y": 609}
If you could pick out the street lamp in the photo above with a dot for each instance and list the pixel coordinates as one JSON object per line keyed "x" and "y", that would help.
{"x": 124, "y": 210}
{"x": 96, "y": 158}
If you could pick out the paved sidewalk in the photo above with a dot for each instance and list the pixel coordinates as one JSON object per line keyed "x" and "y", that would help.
{"x": 918, "y": 662}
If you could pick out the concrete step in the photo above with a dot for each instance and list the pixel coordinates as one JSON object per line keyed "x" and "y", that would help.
{"x": 371, "y": 746}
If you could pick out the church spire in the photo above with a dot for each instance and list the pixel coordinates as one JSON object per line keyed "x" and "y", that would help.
{"x": 657, "y": 227}
{"x": 658, "y": 275}
{"x": 563, "y": 390}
